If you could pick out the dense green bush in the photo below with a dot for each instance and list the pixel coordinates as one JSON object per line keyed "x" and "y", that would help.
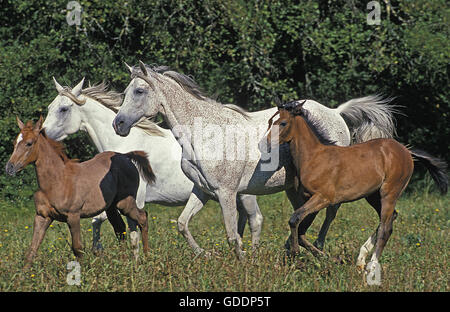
{"x": 243, "y": 52}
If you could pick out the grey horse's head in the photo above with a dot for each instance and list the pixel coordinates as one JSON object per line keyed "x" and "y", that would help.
{"x": 141, "y": 99}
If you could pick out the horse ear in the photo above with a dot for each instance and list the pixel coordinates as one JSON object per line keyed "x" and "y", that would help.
{"x": 298, "y": 109}
{"x": 59, "y": 88}
{"x": 129, "y": 67}
{"x": 38, "y": 125}
{"x": 20, "y": 123}
{"x": 78, "y": 88}
{"x": 143, "y": 68}
{"x": 278, "y": 102}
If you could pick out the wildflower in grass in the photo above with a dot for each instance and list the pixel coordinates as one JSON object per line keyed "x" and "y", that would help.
{"x": 418, "y": 244}
{"x": 6, "y": 231}
{"x": 89, "y": 230}
{"x": 32, "y": 275}
{"x": 26, "y": 227}
{"x": 51, "y": 225}
{"x": 437, "y": 210}
{"x": 363, "y": 229}
{"x": 154, "y": 218}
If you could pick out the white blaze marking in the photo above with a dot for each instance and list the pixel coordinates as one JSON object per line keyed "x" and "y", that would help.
{"x": 19, "y": 138}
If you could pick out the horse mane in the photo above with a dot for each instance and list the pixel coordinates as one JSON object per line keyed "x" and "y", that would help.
{"x": 58, "y": 147}
{"x": 316, "y": 126}
{"x": 111, "y": 100}
{"x": 188, "y": 84}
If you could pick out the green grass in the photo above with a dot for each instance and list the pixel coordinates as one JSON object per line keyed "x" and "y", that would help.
{"x": 415, "y": 258}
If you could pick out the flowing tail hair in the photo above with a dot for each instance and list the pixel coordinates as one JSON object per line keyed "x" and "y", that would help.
{"x": 436, "y": 167}
{"x": 369, "y": 117}
{"x": 140, "y": 159}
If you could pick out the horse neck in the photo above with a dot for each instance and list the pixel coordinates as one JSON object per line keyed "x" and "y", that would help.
{"x": 49, "y": 166}
{"x": 180, "y": 107}
{"x": 304, "y": 144}
{"x": 96, "y": 120}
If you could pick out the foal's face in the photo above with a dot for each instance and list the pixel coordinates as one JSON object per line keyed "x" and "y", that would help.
{"x": 25, "y": 147}
{"x": 284, "y": 125}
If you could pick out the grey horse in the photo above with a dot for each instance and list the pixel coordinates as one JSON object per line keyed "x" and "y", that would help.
{"x": 202, "y": 127}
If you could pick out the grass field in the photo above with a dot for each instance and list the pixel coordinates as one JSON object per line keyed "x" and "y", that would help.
{"x": 415, "y": 258}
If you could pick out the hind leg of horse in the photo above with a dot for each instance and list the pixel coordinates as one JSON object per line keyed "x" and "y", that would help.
{"x": 375, "y": 201}
{"x": 389, "y": 196}
{"x": 132, "y": 225}
{"x": 73, "y": 221}
{"x": 255, "y": 217}
{"x": 129, "y": 208}
{"x": 116, "y": 221}
{"x": 313, "y": 205}
{"x": 196, "y": 201}
{"x": 331, "y": 214}
{"x": 96, "y": 226}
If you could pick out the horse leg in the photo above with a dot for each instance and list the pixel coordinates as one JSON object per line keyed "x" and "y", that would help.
{"x": 132, "y": 225}
{"x": 73, "y": 221}
{"x": 255, "y": 217}
{"x": 296, "y": 200}
{"x": 196, "y": 201}
{"x": 331, "y": 214}
{"x": 375, "y": 201}
{"x": 40, "y": 226}
{"x": 387, "y": 217}
{"x": 129, "y": 208}
{"x": 227, "y": 200}
{"x": 313, "y": 205}
{"x": 243, "y": 216}
{"x": 96, "y": 226}
{"x": 116, "y": 221}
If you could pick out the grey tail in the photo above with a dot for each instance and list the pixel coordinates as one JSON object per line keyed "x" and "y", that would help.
{"x": 437, "y": 168}
{"x": 141, "y": 161}
{"x": 369, "y": 117}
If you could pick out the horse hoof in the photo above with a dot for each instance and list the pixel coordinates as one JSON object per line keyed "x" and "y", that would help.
{"x": 318, "y": 245}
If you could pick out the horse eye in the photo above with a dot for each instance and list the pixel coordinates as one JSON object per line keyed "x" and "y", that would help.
{"x": 283, "y": 123}
{"x": 63, "y": 109}
{"x": 139, "y": 91}
{"x": 29, "y": 144}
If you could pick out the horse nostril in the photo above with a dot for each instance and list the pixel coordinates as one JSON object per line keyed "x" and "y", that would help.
{"x": 9, "y": 169}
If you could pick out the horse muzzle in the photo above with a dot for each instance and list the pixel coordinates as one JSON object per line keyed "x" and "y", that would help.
{"x": 120, "y": 126}
{"x": 11, "y": 169}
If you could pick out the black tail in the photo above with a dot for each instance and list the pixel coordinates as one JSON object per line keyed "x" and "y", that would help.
{"x": 141, "y": 161}
{"x": 436, "y": 167}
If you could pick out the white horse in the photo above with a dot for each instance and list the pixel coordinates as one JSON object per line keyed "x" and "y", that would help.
{"x": 199, "y": 122}
{"x": 93, "y": 110}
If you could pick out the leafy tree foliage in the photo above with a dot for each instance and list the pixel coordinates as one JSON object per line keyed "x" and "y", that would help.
{"x": 242, "y": 52}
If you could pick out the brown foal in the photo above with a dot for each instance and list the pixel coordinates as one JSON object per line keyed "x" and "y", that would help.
{"x": 69, "y": 190}
{"x": 378, "y": 170}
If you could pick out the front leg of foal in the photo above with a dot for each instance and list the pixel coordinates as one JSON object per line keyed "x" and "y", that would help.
{"x": 73, "y": 221}
{"x": 313, "y": 205}
{"x": 40, "y": 226}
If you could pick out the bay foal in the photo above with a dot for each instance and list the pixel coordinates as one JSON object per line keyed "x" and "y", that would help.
{"x": 377, "y": 170}
{"x": 69, "y": 190}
